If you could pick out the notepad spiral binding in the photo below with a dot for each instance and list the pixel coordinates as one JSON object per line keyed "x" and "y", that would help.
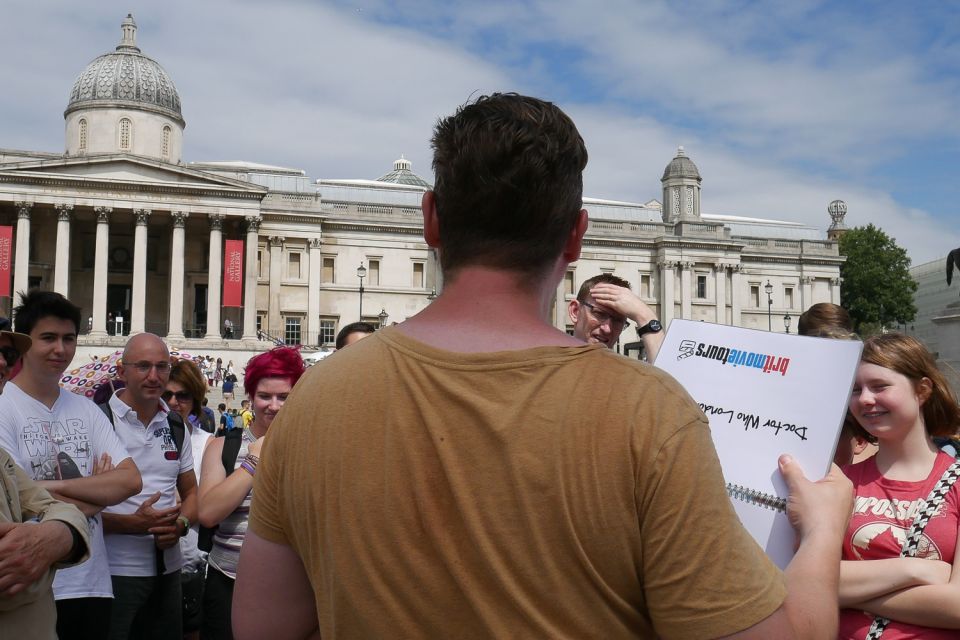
{"x": 751, "y": 496}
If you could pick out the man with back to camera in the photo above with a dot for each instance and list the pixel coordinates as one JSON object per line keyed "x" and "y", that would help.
{"x": 63, "y": 441}
{"x": 144, "y": 531}
{"x": 501, "y": 478}
{"x": 605, "y": 306}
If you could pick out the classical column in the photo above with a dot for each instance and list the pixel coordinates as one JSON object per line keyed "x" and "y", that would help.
{"x": 835, "y": 290}
{"x": 720, "y": 271}
{"x": 61, "y": 269}
{"x": 175, "y": 324}
{"x": 100, "y": 262}
{"x": 250, "y": 280}
{"x": 736, "y": 295}
{"x": 313, "y": 293}
{"x": 214, "y": 276}
{"x": 276, "y": 277}
{"x": 138, "y": 311}
{"x": 686, "y": 293}
{"x": 21, "y": 258}
{"x": 806, "y": 292}
{"x": 667, "y": 275}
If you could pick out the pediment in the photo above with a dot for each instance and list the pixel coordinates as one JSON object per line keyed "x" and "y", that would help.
{"x": 122, "y": 168}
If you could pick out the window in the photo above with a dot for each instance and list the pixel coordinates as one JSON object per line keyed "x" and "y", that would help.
{"x": 259, "y": 263}
{"x": 260, "y": 322}
{"x": 291, "y": 330}
{"x": 293, "y": 265}
{"x": 788, "y": 297}
{"x": 568, "y": 284}
{"x": 126, "y": 134}
{"x": 755, "y": 296}
{"x": 418, "y": 275}
{"x": 569, "y": 329}
{"x": 645, "y": 286}
{"x": 326, "y": 272}
{"x": 165, "y": 143}
{"x": 701, "y": 286}
{"x": 83, "y": 135}
{"x": 328, "y": 331}
{"x": 373, "y": 272}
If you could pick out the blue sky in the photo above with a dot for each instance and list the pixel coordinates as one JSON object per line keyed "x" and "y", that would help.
{"x": 783, "y": 106}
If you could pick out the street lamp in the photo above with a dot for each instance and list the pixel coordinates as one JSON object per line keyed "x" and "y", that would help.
{"x": 433, "y": 294}
{"x": 361, "y": 273}
{"x": 786, "y": 323}
{"x": 383, "y": 317}
{"x": 769, "y": 289}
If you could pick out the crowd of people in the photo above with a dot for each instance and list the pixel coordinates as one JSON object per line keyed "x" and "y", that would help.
{"x": 484, "y": 483}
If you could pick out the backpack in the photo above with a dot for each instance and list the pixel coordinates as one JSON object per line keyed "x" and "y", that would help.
{"x": 177, "y": 428}
{"x": 229, "y": 421}
{"x": 231, "y": 449}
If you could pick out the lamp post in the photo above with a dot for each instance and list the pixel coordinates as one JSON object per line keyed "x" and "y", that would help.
{"x": 769, "y": 289}
{"x": 383, "y": 315}
{"x": 786, "y": 323}
{"x": 432, "y": 295}
{"x": 361, "y": 273}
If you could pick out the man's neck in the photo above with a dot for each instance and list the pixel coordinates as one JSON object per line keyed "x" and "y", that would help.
{"x": 145, "y": 410}
{"x": 43, "y": 389}
{"x": 484, "y": 310}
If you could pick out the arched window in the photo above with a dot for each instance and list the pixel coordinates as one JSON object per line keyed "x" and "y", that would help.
{"x": 83, "y": 135}
{"x": 165, "y": 143}
{"x": 126, "y": 134}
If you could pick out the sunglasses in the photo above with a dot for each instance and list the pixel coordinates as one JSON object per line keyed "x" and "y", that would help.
{"x": 181, "y": 396}
{"x": 10, "y": 354}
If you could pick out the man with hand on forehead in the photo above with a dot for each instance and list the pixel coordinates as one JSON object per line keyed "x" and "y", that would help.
{"x": 605, "y": 306}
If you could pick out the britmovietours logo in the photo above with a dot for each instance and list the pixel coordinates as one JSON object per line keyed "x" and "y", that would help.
{"x": 734, "y": 357}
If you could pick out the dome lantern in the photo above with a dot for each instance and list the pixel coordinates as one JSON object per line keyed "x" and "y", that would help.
{"x": 681, "y": 188}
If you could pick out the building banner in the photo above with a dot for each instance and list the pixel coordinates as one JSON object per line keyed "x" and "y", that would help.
{"x": 6, "y": 260}
{"x": 233, "y": 273}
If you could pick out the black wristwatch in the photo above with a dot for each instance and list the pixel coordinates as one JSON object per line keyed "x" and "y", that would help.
{"x": 653, "y": 326}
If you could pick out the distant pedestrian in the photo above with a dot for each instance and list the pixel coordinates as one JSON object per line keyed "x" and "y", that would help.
{"x": 228, "y": 328}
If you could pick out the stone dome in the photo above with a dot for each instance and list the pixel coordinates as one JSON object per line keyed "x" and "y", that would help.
{"x": 126, "y": 78}
{"x": 403, "y": 174}
{"x": 681, "y": 167}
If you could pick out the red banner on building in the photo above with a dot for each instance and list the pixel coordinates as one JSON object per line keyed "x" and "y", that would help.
{"x": 233, "y": 273}
{"x": 6, "y": 260}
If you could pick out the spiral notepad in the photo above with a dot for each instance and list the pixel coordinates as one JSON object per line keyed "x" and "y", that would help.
{"x": 758, "y": 498}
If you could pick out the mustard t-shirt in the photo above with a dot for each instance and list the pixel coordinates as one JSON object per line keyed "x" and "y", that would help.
{"x": 561, "y": 492}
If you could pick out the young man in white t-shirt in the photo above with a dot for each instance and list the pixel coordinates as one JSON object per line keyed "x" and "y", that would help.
{"x": 143, "y": 532}
{"x": 67, "y": 444}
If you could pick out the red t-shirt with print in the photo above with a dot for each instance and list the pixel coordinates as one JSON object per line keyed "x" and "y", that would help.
{"x": 883, "y": 511}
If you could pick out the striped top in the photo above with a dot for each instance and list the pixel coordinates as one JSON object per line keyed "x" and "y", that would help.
{"x": 229, "y": 536}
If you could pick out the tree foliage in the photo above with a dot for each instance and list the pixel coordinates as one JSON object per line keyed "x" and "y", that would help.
{"x": 877, "y": 288}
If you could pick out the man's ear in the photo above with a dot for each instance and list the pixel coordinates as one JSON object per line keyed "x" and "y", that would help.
{"x": 431, "y": 225}
{"x": 573, "y": 310}
{"x": 571, "y": 248}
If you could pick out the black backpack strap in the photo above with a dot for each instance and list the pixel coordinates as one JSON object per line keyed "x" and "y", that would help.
{"x": 231, "y": 449}
{"x": 105, "y": 407}
{"x": 177, "y": 429}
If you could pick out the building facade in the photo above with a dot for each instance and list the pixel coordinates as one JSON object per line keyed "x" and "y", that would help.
{"x": 128, "y": 231}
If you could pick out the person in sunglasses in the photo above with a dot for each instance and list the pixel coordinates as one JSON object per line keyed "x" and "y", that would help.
{"x": 63, "y": 441}
{"x": 605, "y": 306}
{"x": 12, "y": 346}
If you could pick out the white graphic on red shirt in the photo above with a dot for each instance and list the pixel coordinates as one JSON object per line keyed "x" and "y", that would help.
{"x": 876, "y": 540}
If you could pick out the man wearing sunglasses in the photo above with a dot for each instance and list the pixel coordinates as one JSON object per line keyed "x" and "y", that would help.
{"x": 144, "y": 531}
{"x": 12, "y": 345}
{"x": 63, "y": 441}
{"x": 605, "y": 306}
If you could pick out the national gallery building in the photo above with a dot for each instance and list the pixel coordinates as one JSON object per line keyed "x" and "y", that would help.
{"x": 139, "y": 239}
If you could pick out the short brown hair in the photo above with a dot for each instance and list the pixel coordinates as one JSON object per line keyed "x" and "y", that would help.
{"x": 907, "y": 356}
{"x": 509, "y": 183}
{"x": 187, "y": 373}
{"x": 823, "y": 317}
{"x": 607, "y": 278}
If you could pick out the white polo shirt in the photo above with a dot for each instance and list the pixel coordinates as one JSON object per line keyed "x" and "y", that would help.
{"x": 153, "y": 449}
